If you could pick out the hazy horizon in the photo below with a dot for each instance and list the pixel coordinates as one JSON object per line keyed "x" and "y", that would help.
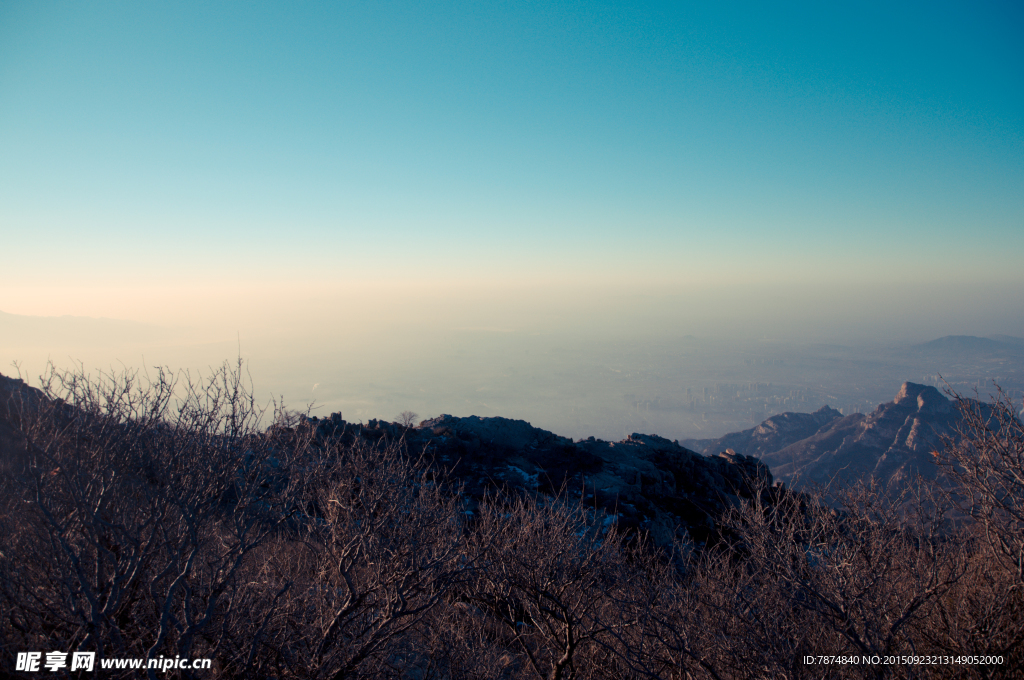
{"x": 497, "y": 207}
{"x": 577, "y": 383}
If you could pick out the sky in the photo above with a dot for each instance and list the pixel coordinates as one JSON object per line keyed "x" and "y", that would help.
{"x": 769, "y": 169}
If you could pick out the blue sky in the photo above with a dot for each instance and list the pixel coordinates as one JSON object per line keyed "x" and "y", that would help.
{"x": 187, "y": 147}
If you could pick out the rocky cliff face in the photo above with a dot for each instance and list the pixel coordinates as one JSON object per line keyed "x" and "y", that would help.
{"x": 891, "y": 444}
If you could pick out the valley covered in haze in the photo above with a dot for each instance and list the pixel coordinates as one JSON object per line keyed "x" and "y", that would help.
{"x": 576, "y": 384}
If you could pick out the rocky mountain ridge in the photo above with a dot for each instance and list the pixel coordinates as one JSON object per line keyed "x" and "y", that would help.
{"x": 891, "y": 444}
{"x": 663, "y": 488}
{"x": 773, "y": 434}
{"x": 644, "y": 483}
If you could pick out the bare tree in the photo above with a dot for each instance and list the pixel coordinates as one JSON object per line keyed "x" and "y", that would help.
{"x": 986, "y": 463}
{"x": 135, "y": 507}
{"x": 380, "y": 550}
{"x": 797, "y": 576}
{"x": 550, "y": 576}
{"x": 160, "y": 517}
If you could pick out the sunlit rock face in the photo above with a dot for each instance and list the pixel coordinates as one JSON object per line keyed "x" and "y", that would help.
{"x": 891, "y": 445}
{"x": 773, "y": 434}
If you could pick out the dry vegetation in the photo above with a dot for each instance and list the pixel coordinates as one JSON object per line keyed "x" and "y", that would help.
{"x": 163, "y": 518}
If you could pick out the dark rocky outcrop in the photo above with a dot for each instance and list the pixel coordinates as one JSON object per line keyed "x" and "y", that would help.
{"x": 15, "y": 396}
{"x": 645, "y": 482}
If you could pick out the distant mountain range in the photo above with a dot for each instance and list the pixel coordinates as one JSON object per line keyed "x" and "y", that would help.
{"x": 891, "y": 444}
{"x": 649, "y": 482}
{"x": 1001, "y": 345}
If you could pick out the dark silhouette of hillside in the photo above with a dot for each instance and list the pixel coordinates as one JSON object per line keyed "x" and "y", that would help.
{"x": 176, "y": 518}
{"x": 645, "y": 482}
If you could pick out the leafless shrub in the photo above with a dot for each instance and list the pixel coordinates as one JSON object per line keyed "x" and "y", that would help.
{"x": 986, "y": 463}
{"x": 797, "y": 577}
{"x": 380, "y": 551}
{"x": 135, "y": 507}
{"x": 159, "y": 517}
{"x": 550, "y": 578}
{"x": 461, "y": 641}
